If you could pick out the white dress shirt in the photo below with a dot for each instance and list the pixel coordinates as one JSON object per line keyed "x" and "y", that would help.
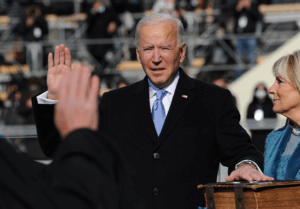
{"x": 42, "y": 99}
{"x": 167, "y": 100}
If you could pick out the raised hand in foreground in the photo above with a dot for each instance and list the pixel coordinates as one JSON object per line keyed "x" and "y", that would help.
{"x": 77, "y": 105}
{"x": 62, "y": 64}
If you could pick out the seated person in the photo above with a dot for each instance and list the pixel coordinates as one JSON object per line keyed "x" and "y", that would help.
{"x": 282, "y": 146}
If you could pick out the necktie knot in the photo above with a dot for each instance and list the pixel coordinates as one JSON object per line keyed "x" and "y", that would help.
{"x": 160, "y": 94}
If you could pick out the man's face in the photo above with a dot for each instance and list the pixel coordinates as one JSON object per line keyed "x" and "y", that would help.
{"x": 159, "y": 52}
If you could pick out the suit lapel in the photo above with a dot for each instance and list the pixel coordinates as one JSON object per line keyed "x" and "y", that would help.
{"x": 141, "y": 106}
{"x": 183, "y": 97}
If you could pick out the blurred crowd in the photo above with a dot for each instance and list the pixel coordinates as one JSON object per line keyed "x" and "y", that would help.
{"x": 107, "y": 19}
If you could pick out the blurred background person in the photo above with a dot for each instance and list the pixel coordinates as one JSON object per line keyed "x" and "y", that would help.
{"x": 25, "y": 108}
{"x": 3, "y": 7}
{"x": 122, "y": 83}
{"x": 102, "y": 23}
{"x": 32, "y": 29}
{"x": 11, "y": 104}
{"x": 164, "y": 6}
{"x": 282, "y": 146}
{"x": 56, "y": 7}
{"x": 219, "y": 80}
{"x": 259, "y": 109}
{"x": 246, "y": 17}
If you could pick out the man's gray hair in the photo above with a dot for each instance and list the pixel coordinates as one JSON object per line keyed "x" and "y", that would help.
{"x": 158, "y": 18}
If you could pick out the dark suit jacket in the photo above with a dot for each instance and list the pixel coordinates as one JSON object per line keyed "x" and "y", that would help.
{"x": 199, "y": 132}
{"x": 82, "y": 175}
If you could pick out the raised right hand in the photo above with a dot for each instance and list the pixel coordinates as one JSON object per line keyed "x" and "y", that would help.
{"x": 78, "y": 101}
{"x": 62, "y": 64}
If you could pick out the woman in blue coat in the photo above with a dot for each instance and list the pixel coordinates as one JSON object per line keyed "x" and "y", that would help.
{"x": 282, "y": 154}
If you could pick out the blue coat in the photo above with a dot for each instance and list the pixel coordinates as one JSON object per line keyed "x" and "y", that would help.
{"x": 275, "y": 146}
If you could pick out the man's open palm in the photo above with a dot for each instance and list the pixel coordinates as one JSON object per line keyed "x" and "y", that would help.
{"x": 62, "y": 64}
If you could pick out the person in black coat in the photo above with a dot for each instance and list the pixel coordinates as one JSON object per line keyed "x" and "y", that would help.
{"x": 201, "y": 128}
{"x": 85, "y": 169}
{"x": 33, "y": 27}
{"x": 261, "y": 107}
{"x": 246, "y": 15}
{"x": 102, "y": 24}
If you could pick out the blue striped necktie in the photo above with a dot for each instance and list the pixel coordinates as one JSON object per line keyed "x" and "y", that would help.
{"x": 158, "y": 111}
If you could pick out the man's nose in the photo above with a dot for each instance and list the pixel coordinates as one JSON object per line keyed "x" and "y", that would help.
{"x": 156, "y": 58}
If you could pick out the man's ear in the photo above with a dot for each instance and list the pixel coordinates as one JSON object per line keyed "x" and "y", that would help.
{"x": 138, "y": 55}
{"x": 182, "y": 52}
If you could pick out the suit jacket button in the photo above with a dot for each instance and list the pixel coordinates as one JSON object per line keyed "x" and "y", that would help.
{"x": 155, "y": 191}
{"x": 156, "y": 155}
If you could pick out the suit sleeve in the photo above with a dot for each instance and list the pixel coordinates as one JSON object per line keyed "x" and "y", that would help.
{"x": 103, "y": 120}
{"x": 234, "y": 144}
{"x": 48, "y": 135}
{"x": 83, "y": 174}
{"x": 85, "y": 166}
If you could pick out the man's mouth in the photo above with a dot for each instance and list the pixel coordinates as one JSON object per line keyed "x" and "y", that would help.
{"x": 157, "y": 69}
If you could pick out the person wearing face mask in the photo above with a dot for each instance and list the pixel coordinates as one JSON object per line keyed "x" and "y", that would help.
{"x": 259, "y": 109}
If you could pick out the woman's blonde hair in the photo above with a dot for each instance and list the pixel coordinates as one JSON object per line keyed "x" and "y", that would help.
{"x": 288, "y": 67}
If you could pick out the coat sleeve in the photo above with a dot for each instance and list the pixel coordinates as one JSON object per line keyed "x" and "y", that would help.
{"x": 83, "y": 174}
{"x": 85, "y": 166}
{"x": 103, "y": 120}
{"x": 234, "y": 144}
{"x": 47, "y": 133}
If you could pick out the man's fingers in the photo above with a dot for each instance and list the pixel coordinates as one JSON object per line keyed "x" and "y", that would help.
{"x": 50, "y": 61}
{"x": 257, "y": 176}
{"x": 93, "y": 94}
{"x": 68, "y": 57}
{"x": 85, "y": 81}
{"x": 248, "y": 175}
{"x": 267, "y": 178}
{"x": 65, "y": 87}
{"x": 75, "y": 80}
{"x": 62, "y": 54}
{"x": 56, "y": 55}
{"x": 263, "y": 177}
{"x": 233, "y": 176}
{"x": 229, "y": 178}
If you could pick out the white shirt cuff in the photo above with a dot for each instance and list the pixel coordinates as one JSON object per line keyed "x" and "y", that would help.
{"x": 257, "y": 167}
{"x": 42, "y": 99}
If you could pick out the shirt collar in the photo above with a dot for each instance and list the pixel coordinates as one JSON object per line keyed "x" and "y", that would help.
{"x": 170, "y": 88}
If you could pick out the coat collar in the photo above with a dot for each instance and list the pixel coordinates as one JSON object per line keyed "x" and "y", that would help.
{"x": 275, "y": 146}
{"x": 181, "y": 100}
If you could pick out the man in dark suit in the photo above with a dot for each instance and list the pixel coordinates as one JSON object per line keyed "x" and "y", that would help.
{"x": 173, "y": 130}
{"x": 84, "y": 171}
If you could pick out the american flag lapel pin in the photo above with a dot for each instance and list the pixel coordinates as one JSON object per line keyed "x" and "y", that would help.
{"x": 185, "y": 96}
